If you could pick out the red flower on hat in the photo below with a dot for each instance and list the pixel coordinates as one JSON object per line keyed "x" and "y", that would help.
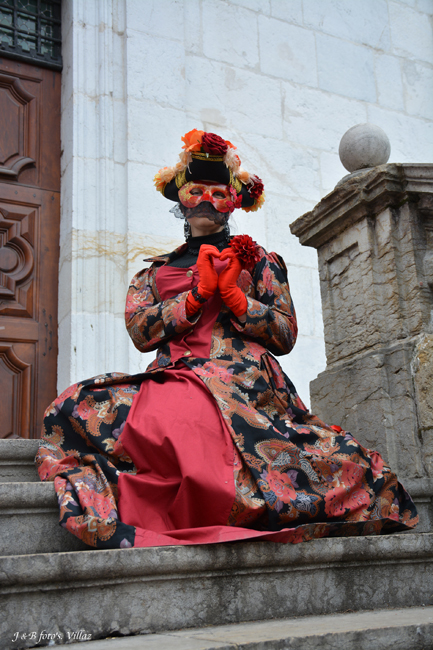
{"x": 256, "y": 189}
{"x": 246, "y": 250}
{"x": 237, "y": 200}
{"x": 213, "y": 144}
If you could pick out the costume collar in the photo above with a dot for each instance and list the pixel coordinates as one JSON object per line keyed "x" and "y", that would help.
{"x": 168, "y": 257}
{"x": 192, "y": 243}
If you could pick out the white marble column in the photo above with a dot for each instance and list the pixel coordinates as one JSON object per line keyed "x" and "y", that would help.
{"x": 93, "y": 241}
{"x": 111, "y": 216}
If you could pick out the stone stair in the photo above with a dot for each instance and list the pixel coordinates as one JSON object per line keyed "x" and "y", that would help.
{"x": 51, "y": 584}
{"x": 17, "y": 461}
{"x": 400, "y": 629}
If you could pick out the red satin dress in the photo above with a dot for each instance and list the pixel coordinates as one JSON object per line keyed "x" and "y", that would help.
{"x": 184, "y": 489}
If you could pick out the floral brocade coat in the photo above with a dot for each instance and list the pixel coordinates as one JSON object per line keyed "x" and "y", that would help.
{"x": 291, "y": 471}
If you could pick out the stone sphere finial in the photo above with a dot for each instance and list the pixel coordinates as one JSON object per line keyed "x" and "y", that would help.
{"x": 364, "y": 145}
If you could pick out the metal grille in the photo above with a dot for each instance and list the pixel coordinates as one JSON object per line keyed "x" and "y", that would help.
{"x": 30, "y": 30}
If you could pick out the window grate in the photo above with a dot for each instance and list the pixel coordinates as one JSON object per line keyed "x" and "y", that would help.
{"x": 30, "y": 30}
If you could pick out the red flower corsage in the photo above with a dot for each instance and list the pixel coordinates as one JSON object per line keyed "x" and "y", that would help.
{"x": 246, "y": 249}
{"x": 256, "y": 189}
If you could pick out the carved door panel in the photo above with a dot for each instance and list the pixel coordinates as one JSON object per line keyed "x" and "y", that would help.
{"x": 29, "y": 244}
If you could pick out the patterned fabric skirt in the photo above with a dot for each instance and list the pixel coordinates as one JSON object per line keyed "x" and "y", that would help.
{"x": 149, "y": 461}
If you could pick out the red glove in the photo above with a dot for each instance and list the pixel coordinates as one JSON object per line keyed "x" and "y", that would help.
{"x": 208, "y": 279}
{"x": 231, "y": 294}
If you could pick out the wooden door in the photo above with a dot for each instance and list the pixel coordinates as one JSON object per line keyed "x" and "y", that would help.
{"x": 29, "y": 244}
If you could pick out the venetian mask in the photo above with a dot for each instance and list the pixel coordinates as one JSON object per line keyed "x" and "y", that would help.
{"x": 193, "y": 193}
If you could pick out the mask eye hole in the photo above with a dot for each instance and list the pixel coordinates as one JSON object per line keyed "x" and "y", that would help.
{"x": 196, "y": 191}
{"x": 219, "y": 195}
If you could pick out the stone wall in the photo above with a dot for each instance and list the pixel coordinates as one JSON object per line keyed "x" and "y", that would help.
{"x": 282, "y": 79}
{"x": 374, "y": 236}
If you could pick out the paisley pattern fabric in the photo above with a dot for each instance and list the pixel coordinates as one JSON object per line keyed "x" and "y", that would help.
{"x": 81, "y": 451}
{"x": 295, "y": 477}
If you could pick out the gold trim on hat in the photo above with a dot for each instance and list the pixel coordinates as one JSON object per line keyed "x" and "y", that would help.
{"x": 235, "y": 182}
{"x": 180, "y": 179}
{"x": 198, "y": 155}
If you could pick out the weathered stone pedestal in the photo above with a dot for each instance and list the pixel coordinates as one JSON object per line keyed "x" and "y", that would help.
{"x": 374, "y": 237}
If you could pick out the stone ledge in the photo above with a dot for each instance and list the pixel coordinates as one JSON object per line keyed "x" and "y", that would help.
{"x": 346, "y": 362}
{"x": 365, "y": 194}
{"x": 142, "y": 564}
{"x": 17, "y": 460}
{"x": 419, "y": 488}
{"x": 18, "y": 449}
{"x": 25, "y": 496}
{"x": 140, "y": 591}
{"x": 29, "y": 521}
{"x": 400, "y": 629}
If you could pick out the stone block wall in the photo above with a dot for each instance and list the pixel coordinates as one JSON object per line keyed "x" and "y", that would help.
{"x": 282, "y": 79}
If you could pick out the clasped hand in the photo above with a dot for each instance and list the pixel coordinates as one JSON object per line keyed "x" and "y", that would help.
{"x": 226, "y": 282}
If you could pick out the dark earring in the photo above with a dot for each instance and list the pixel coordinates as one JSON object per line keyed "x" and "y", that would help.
{"x": 187, "y": 230}
{"x": 227, "y": 230}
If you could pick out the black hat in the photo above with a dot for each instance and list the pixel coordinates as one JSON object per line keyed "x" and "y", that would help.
{"x": 207, "y": 157}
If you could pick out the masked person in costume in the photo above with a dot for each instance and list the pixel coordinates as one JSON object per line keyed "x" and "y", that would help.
{"x": 211, "y": 443}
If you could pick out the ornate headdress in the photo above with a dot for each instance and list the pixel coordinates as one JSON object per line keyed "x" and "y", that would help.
{"x": 207, "y": 157}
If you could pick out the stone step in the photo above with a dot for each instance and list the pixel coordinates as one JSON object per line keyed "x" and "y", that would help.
{"x": 29, "y": 518}
{"x": 29, "y": 521}
{"x": 152, "y": 590}
{"x": 384, "y": 629}
{"x": 17, "y": 460}
{"x": 421, "y": 491}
